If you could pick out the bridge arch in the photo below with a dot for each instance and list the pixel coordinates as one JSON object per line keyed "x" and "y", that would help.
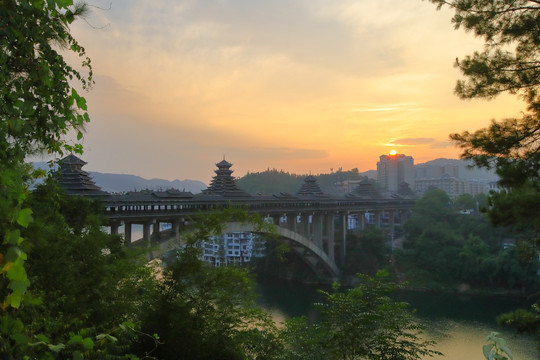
{"x": 323, "y": 266}
{"x": 318, "y": 261}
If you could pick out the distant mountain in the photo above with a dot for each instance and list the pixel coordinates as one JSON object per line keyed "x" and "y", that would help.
{"x": 371, "y": 174}
{"x": 123, "y": 182}
{"x": 115, "y": 183}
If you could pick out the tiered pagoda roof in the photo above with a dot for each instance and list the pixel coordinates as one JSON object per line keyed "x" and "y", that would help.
{"x": 74, "y": 180}
{"x": 310, "y": 187}
{"x": 405, "y": 190}
{"x": 366, "y": 190}
{"x": 224, "y": 183}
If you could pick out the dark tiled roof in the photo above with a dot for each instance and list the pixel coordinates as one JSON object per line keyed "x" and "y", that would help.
{"x": 310, "y": 187}
{"x": 405, "y": 190}
{"x": 224, "y": 183}
{"x": 366, "y": 190}
{"x": 173, "y": 193}
{"x": 74, "y": 180}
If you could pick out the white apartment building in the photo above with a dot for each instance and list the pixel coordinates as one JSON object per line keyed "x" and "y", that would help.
{"x": 232, "y": 248}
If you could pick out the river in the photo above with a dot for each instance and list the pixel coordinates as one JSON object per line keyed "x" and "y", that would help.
{"x": 459, "y": 324}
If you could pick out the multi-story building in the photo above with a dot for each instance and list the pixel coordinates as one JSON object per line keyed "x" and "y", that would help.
{"x": 394, "y": 169}
{"x": 454, "y": 187}
{"x": 232, "y": 248}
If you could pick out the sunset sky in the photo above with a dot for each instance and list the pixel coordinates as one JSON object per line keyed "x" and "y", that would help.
{"x": 298, "y": 85}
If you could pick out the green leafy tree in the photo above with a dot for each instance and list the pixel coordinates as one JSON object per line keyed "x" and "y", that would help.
{"x": 75, "y": 268}
{"x": 38, "y": 109}
{"x": 359, "y": 323}
{"x": 464, "y": 202}
{"x": 367, "y": 252}
{"x": 444, "y": 248}
{"x": 434, "y": 208}
{"x": 497, "y": 348}
{"x": 509, "y": 62}
{"x": 204, "y": 312}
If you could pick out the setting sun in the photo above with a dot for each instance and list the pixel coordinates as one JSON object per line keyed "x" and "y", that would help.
{"x": 393, "y": 152}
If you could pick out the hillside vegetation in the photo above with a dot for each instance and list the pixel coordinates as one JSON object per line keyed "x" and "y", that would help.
{"x": 278, "y": 181}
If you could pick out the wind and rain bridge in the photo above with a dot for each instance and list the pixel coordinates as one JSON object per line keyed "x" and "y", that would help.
{"x": 307, "y": 221}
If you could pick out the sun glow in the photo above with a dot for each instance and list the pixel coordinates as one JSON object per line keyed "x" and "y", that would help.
{"x": 393, "y": 152}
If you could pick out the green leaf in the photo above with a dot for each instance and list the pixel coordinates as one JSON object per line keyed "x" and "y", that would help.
{"x": 25, "y": 217}
{"x": 77, "y": 355}
{"x": 57, "y": 348}
{"x": 75, "y": 339}
{"x": 507, "y": 350}
{"x": 88, "y": 343}
{"x": 13, "y": 237}
{"x": 486, "y": 349}
{"x": 43, "y": 338}
{"x": 14, "y": 299}
{"x": 106, "y": 337}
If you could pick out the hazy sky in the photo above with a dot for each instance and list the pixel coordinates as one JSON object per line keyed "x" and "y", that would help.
{"x": 298, "y": 85}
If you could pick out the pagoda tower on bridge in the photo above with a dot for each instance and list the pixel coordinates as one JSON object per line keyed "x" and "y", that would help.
{"x": 223, "y": 183}
{"x": 74, "y": 180}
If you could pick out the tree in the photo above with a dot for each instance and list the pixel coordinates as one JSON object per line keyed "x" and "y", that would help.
{"x": 85, "y": 279}
{"x": 206, "y": 312}
{"x": 367, "y": 252}
{"x": 38, "y": 108}
{"x": 509, "y": 62}
{"x": 359, "y": 323}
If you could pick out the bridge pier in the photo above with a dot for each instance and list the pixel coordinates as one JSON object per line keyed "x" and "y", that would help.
{"x": 362, "y": 220}
{"x": 114, "y": 228}
{"x": 176, "y": 228}
{"x": 155, "y": 231}
{"x": 378, "y": 219}
{"x": 146, "y": 232}
{"x": 291, "y": 222}
{"x": 317, "y": 228}
{"x": 304, "y": 219}
{"x": 330, "y": 234}
{"x": 343, "y": 236}
{"x": 127, "y": 232}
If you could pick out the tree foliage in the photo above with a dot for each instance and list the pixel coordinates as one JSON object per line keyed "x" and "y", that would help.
{"x": 442, "y": 246}
{"x": 38, "y": 108}
{"x": 367, "y": 252}
{"x": 509, "y": 62}
{"x": 359, "y": 323}
{"x": 275, "y": 182}
{"x": 39, "y": 104}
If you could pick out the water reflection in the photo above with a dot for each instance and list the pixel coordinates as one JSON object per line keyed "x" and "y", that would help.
{"x": 459, "y": 324}
{"x": 464, "y": 340}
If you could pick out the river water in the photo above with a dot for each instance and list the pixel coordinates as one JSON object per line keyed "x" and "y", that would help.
{"x": 459, "y": 324}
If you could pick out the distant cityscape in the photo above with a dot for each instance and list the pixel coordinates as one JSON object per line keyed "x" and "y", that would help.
{"x": 396, "y": 173}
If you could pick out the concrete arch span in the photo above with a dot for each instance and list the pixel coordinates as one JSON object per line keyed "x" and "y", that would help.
{"x": 321, "y": 264}
{"x": 315, "y": 257}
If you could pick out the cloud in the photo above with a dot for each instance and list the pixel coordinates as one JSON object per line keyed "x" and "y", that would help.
{"x": 441, "y": 145}
{"x": 377, "y": 109}
{"x": 413, "y": 141}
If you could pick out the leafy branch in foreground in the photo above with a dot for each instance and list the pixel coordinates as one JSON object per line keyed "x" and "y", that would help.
{"x": 359, "y": 323}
